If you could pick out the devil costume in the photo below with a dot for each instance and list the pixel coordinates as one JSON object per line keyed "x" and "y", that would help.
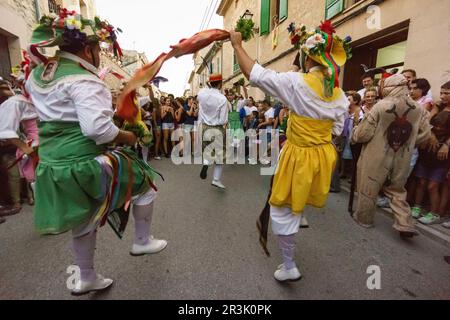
{"x": 390, "y": 132}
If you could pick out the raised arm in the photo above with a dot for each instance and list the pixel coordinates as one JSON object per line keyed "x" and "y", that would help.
{"x": 365, "y": 130}
{"x": 278, "y": 85}
{"x": 245, "y": 62}
{"x": 244, "y": 88}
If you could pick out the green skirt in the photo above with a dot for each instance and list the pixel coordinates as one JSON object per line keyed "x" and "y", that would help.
{"x": 71, "y": 185}
{"x": 235, "y": 125}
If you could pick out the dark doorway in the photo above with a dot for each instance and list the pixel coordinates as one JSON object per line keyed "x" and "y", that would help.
{"x": 381, "y": 49}
{"x": 5, "y": 60}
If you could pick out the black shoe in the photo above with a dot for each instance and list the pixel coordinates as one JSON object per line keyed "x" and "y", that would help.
{"x": 204, "y": 173}
{"x": 332, "y": 190}
{"x": 407, "y": 235}
{"x": 447, "y": 259}
{"x": 2, "y": 220}
{"x": 9, "y": 211}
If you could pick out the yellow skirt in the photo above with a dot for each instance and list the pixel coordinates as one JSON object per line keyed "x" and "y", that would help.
{"x": 303, "y": 176}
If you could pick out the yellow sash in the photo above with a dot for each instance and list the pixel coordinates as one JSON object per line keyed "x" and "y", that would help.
{"x": 307, "y": 132}
{"x": 314, "y": 80}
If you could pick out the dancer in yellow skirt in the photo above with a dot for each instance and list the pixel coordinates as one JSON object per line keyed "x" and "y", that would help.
{"x": 317, "y": 112}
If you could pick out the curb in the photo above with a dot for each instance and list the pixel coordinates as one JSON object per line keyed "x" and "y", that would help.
{"x": 427, "y": 231}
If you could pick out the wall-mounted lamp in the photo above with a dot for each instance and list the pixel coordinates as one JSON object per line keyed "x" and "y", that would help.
{"x": 249, "y": 16}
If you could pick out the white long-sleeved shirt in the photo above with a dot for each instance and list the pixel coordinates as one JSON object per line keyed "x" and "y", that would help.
{"x": 213, "y": 107}
{"x": 84, "y": 99}
{"x": 12, "y": 112}
{"x": 291, "y": 89}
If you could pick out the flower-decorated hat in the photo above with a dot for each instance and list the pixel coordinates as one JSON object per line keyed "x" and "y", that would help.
{"x": 70, "y": 28}
{"x": 324, "y": 47}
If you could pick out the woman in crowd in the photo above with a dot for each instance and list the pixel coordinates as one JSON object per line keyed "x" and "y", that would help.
{"x": 168, "y": 124}
{"x": 180, "y": 117}
{"x": 157, "y": 127}
{"x": 267, "y": 124}
{"x": 370, "y": 99}
{"x": 191, "y": 109}
{"x": 347, "y": 158}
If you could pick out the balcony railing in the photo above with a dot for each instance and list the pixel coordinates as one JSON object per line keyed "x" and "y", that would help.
{"x": 53, "y": 7}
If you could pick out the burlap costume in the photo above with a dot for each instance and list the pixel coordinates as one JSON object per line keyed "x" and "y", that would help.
{"x": 390, "y": 133}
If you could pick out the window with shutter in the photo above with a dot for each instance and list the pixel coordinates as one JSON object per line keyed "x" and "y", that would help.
{"x": 283, "y": 10}
{"x": 265, "y": 17}
{"x": 333, "y": 8}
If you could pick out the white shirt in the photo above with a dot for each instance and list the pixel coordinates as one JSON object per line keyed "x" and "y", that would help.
{"x": 12, "y": 112}
{"x": 143, "y": 101}
{"x": 291, "y": 89}
{"x": 362, "y": 92}
{"x": 241, "y": 104}
{"x": 249, "y": 110}
{"x": 78, "y": 98}
{"x": 213, "y": 107}
{"x": 269, "y": 114}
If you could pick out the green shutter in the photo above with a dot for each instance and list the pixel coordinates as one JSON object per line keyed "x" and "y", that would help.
{"x": 333, "y": 8}
{"x": 283, "y": 10}
{"x": 265, "y": 17}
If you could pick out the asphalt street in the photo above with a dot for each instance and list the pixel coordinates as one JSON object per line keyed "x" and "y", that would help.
{"x": 213, "y": 250}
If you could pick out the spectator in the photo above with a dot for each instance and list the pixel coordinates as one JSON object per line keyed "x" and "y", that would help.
{"x": 368, "y": 81}
{"x": 249, "y": 109}
{"x": 267, "y": 124}
{"x": 433, "y": 166}
{"x": 168, "y": 124}
{"x": 9, "y": 177}
{"x": 277, "y": 109}
{"x": 157, "y": 127}
{"x": 410, "y": 75}
{"x": 191, "y": 109}
{"x": 347, "y": 158}
{"x": 418, "y": 91}
{"x": 236, "y": 104}
{"x": 180, "y": 117}
{"x": 369, "y": 100}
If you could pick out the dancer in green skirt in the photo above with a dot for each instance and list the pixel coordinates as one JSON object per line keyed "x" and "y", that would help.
{"x": 81, "y": 182}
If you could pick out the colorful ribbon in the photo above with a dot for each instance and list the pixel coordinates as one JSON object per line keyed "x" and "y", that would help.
{"x": 127, "y": 110}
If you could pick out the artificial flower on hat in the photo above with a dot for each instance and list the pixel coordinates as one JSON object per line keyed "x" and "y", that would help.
{"x": 69, "y": 27}
{"x": 324, "y": 47}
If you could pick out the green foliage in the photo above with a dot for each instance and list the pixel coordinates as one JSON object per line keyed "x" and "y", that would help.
{"x": 245, "y": 27}
{"x": 240, "y": 83}
{"x": 145, "y": 138}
